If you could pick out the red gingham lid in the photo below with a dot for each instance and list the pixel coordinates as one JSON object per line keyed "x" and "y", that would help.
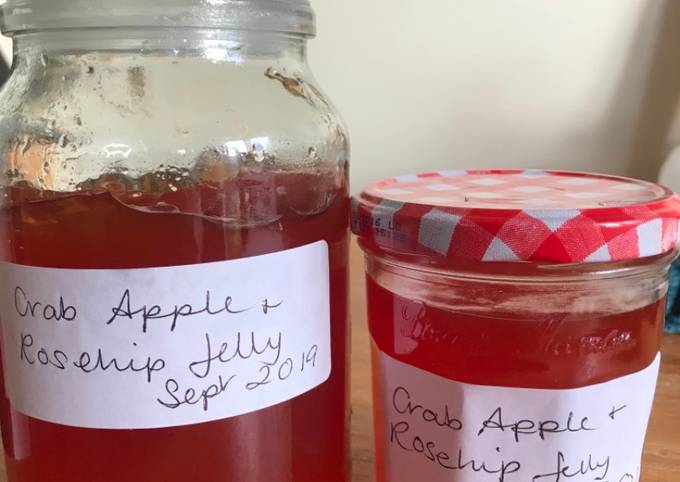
{"x": 519, "y": 215}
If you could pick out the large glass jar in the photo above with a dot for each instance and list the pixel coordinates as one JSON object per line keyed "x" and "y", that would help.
{"x": 168, "y": 165}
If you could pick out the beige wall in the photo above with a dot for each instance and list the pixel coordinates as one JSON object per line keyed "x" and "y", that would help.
{"x": 5, "y": 44}
{"x": 578, "y": 84}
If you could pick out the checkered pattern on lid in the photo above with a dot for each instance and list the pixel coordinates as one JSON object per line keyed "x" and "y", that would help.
{"x": 516, "y": 215}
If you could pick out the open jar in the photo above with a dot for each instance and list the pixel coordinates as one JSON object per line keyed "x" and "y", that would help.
{"x": 516, "y": 321}
{"x": 174, "y": 235}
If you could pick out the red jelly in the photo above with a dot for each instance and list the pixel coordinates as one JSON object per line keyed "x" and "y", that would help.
{"x": 502, "y": 304}
{"x": 301, "y": 440}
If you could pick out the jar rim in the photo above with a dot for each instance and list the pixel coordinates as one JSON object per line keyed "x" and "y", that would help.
{"x": 294, "y": 17}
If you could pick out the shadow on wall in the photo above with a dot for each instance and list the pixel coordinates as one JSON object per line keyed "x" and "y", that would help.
{"x": 660, "y": 97}
{"x": 643, "y": 104}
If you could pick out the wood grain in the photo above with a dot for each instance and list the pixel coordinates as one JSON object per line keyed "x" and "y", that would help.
{"x": 661, "y": 461}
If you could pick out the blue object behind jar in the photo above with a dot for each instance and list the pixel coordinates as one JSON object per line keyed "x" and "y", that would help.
{"x": 673, "y": 307}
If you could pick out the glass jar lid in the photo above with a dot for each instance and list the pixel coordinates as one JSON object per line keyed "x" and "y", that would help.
{"x": 518, "y": 215}
{"x": 286, "y": 16}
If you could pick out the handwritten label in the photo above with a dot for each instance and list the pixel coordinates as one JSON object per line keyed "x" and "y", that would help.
{"x": 439, "y": 430}
{"x": 160, "y": 347}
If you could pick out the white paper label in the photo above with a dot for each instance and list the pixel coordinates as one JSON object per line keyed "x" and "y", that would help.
{"x": 438, "y": 430}
{"x": 161, "y": 347}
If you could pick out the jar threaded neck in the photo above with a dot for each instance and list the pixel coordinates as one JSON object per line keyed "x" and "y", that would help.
{"x": 285, "y": 16}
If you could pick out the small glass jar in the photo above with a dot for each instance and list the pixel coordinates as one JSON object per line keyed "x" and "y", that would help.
{"x": 185, "y": 148}
{"x": 516, "y": 321}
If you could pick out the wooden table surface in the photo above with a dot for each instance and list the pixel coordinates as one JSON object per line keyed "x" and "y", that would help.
{"x": 662, "y": 453}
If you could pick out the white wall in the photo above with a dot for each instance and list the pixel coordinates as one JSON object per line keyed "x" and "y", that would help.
{"x": 5, "y": 44}
{"x": 5, "y": 47}
{"x": 578, "y": 84}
